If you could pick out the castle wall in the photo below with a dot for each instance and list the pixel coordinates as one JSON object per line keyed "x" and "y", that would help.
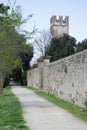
{"x": 33, "y": 78}
{"x": 66, "y": 78}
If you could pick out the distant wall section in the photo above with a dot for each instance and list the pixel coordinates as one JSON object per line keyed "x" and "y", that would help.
{"x": 33, "y": 78}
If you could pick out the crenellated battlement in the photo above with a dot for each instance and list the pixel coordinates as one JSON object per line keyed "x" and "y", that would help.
{"x": 54, "y": 20}
{"x": 59, "y": 26}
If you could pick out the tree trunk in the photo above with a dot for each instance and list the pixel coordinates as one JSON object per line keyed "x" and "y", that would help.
{"x": 2, "y": 79}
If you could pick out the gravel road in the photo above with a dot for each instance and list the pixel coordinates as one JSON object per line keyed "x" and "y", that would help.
{"x": 40, "y": 114}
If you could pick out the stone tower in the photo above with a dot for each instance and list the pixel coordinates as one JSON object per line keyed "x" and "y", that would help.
{"x": 59, "y": 27}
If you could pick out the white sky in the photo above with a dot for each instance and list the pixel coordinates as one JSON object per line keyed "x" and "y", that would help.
{"x": 43, "y": 10}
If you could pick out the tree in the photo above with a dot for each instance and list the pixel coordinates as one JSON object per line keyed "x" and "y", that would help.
{"x": 16, "y": 74}
{"x": 26, "y": 56}
{"x": 10, "y": 44}
{"x": 61, "y": 47}
{"x": 82, "y": 45}
{"x": 42, "y": 41}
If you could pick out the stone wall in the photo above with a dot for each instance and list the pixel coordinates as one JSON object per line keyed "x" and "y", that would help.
{"x": 66, "y": 78}
{"x": 33, "y": 78}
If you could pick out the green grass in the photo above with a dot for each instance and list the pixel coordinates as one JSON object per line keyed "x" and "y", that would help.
{"x": 74, "y": 109}
{"x": 11, "y": 112}
{"x": 31, "y": 88}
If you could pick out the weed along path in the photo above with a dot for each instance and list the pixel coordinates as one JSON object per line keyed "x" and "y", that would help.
{"x": 40, "y": 114}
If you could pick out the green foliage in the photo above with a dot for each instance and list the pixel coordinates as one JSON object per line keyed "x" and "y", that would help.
{"x": 11, "y": 41}
{"x": 82, "y": 45}
{"x": 86, "y": 104}
{"x": 61, "y": 47}
{"x": 34, "y": 66}
{"x": 23, "y": 78}
{"x": 11, "y": 112}
{"x": 41, "y": 59}
{"x": 31, "y": 88}
{"x": 7, "y": 80}
{"x": 16, "y": 74}
{"x": 19, "y": 76}
{"x": 26, "y": 55}
{"x": 4, "y": 9}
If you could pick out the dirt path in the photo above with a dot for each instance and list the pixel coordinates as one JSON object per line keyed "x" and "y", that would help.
{"x": 40, "y": 114}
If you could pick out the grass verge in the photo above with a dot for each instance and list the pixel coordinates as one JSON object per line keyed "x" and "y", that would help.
{"x": 11, "y": 112}
{"x": 74, "y": 109}
{"x": 31, "y": 88}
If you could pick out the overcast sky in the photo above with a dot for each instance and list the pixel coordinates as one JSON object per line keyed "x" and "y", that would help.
{"x": 42, "y": 11}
